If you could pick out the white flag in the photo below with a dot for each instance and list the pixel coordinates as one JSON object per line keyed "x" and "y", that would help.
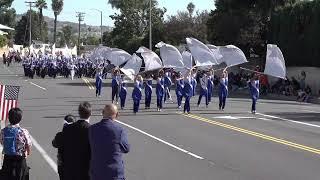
{"x": 118, "y": 56}
{"x": 216, "y": 52}
{"x": 142, "y": 50}
{"x": 202, "y": 54}
{"x": 232, "y": 55}
{"x": 151, "y": 59}
{"x": 132, "y": 67}
{"x": 53, "y": 52}
{"x": 100, "y": 53}
{"x": 74, "y": 51}
{"x": 187, "y": 59}
{"x": 275, "y": 64}
{"x": 170, "y": 55}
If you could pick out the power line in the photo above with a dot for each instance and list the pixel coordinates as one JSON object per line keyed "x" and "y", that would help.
{"x": 80, "y": 16}
{"x": 30, "y": 4}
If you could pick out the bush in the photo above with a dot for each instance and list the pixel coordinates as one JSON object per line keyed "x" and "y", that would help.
{"x": 3, "y": 41}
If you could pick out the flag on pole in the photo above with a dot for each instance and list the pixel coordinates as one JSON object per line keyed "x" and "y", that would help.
{"x": 232, "y": 55}
{"x": 132, "y": 67}
{"x": 216, "y": 52}
{"x": 275, "y": 64}
{"x": 151, "y": 59}
{"x": 8, "y": 99}
{"x": 203, "y": 56}
{"x": 118, "y": 56}
{"x": 170, "y": 55}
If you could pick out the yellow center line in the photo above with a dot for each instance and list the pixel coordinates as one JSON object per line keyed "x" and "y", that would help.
{"x": 256, "y": 134}
{"x": 88, "y": 83}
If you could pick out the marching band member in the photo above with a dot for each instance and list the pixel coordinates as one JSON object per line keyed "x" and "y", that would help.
{"x": 72, "y": 70}
{"x": 223, "y": 89}
{"x": 137, "y": 93}
{"x": 179, "y": 89}
{"x": 115, "y": 85}
{"x": 167, "y": 86}
{"x": 123, "y": 93}
{"x": 98, "y": 84}
{"x": 187, "y": 91}
{"x": 254, "y": 85}
{"x": 148, "y": 92}
{"x": 210, "y": 86}
{"x": 160, "y": 91}
{"x": 204, "y": 89}
{"x": 194, "y": 82}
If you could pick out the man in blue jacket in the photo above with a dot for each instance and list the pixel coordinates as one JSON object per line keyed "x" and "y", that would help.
{"x": 108, "y": 141}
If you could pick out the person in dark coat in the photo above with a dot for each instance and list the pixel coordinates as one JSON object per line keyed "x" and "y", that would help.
{"x": 76, "y": 147}
{"x": 57, "y": 142}
{"x": 108, "y": 141}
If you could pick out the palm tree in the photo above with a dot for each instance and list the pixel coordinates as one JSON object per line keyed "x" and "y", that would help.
{"x": 57, "y": 6}
{"x": 41, "y": 4}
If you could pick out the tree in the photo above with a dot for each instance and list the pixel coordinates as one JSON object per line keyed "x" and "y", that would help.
{"x": 184, "y": 24}
{"x": 243, "y": 23}
{"x": 3, "y": 41}
{"x": 132, "y": 23}
{"x": 67, "y": 33}
{"x": 294, "y": 29}
{"x": 7, "y": 15}
{"x": 57, "y": 6}
{"x": 191, "y": 8}
{"x": 41, "y": 4}
{"x": 22, "y": 29}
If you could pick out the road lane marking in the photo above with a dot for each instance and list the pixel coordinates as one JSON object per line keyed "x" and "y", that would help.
{"x": 88, "y": 83}
{"x": 255, "y": 134}
{"x": 38, "y": 86}
{"x": 162, "y": 141}
{"x": 289, "y": 120}
{"x": 310, "y": 111}
{"x": 265, "y": 119}
{"x": 45, "y": 155}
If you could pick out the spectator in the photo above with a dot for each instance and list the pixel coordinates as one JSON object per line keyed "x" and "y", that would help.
{"x": 58, "y": 143}
{"x": 4, "y": 58}
{"x": 302, "y": 79}
{"x": 76, "y": 147}
{"x": 108, "y": 141}
{"x": 16, "y": 147}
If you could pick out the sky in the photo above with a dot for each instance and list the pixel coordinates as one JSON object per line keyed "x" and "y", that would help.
{"x": 92, "y": 17}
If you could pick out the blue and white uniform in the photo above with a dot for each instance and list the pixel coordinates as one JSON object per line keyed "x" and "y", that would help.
{"x": 115, "y": 87}
{"x": 179, "y": 91}
{"x": 254, "y": 93}
{"x": 188, "y": 93}
{"x": 167, "y": 86}
{"x": 148, "y": 93}
{"x": 210, "y": 88}
{"x": 204, "y": 90}
{"x": 137, "y": 95}
{"x": 160, "y": 92}
{"x": 98, "y": 84}
{"x": 123, "y": 94}
{"x": 223, "y": 92}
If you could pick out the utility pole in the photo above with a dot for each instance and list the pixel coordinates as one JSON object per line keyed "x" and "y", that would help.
{"x": 150, "y": 26}
{"x": 80, "y": 16}
{"x": 101, "y": 28}
{"x": 30, "y": 4}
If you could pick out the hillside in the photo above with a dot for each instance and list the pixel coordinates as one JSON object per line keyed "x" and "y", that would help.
{"x": 88, "y": 29}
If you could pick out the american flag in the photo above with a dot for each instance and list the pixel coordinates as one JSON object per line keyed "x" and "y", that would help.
{"x": 8, "y": 99}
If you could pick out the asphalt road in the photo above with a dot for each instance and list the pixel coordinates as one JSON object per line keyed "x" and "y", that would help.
{"x": 281, "y": 142}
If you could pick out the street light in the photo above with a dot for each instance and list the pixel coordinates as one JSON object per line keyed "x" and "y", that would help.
{"x": 101, "y": 23}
